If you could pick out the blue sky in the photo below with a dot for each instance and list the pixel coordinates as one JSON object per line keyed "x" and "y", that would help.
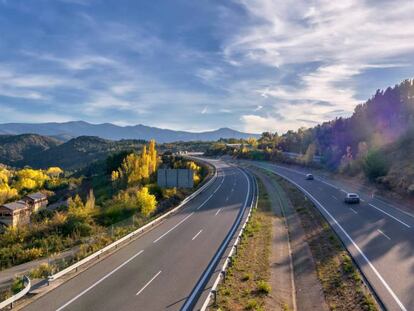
{"x": 253, "y": 65}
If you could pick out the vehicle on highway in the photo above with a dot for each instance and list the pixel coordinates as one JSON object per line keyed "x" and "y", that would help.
{"x": 309, "y": 177}
{"x": 352, "y": 198}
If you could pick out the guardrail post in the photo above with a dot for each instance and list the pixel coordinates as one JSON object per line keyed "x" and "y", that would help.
{"x": 214, "y": 292}
{"x": 224, "y": 275}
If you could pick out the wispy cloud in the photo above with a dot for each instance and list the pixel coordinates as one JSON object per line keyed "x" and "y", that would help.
{"x": 323, "y": 33}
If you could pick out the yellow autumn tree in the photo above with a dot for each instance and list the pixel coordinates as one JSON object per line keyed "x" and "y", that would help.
{"x": 153, "y": 156}
{"x": 30, "y": 179}
{"x": 7, "y": 193}
{"x": 54, "y": 171}
{"x": 137, "y": 168}
{"x": 146, "y": 202}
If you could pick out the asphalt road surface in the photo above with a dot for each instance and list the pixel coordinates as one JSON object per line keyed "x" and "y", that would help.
{"x": 159, "y": 270}
{"x": 378, "y": 234}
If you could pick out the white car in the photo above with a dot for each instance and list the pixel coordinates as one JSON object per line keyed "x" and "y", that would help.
{"x": 352, "y": 198}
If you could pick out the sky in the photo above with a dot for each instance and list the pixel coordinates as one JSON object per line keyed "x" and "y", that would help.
{"x": 252, "y": 65}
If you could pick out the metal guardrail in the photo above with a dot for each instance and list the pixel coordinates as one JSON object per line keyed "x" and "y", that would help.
{"x": 222, "y": 273}
{"x": 132, "y": 234}
{"x": 10, "y": 301}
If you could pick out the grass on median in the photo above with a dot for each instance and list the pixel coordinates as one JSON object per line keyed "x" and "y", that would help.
{"x": 341, "y": 280}
{"x": 246, "y": 285}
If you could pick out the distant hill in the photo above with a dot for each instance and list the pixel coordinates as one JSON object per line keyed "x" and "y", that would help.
{"x": 76, "y": 153}
{"x": 14, "y": 148}
{"x": 68, "y": 130}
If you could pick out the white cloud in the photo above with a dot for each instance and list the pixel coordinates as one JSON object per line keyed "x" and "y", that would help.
{"x": 339, "y": 39}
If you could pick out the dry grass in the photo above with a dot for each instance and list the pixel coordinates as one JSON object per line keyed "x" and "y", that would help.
{"x": 246, "y": 285}
{"x": 341, "y": 280}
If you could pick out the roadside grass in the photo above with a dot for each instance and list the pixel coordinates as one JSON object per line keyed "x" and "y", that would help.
{"x": 341, "y": 280}
{"x": 246, "y": 285}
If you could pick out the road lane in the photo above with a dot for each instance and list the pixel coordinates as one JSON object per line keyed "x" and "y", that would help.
{"x": 180, "y": 259}
{"x": 388, "y": 263}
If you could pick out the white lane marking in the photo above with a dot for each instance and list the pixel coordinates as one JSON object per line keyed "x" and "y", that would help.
{"x": 335, "y": 197}
{"x": 395, "y": 218}
{"x": 362, "y": 200}
{"x": 384, "y": 234}
{"x": 379, "y": 276}
{"x": 343, "y": 191}
{"x": 217, "y": 212}
{"x": 206, "y": 274}
{"x": 149, "y": 282}
{"x": 326, "y": 183}
{"x": 99, "y": 281}
{"x": 227, "y": 198}
{"x": 202, "y": 204}
{"x": 155, "y": 241}
{"x": 353, "y": 210}
{"x": 211, "y": 195}
{"x": 197, "y": 235}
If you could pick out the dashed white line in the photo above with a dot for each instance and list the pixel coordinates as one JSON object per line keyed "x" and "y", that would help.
{"x": 384, "y": 234}
{"x": 353, "y": 210}
{"x": 202, "y": 204}
{"x": 155, "y": 241}
{"x": 149, "y": 282}
{"x": 211, "y": 195}
{"x": 370, "y": 264}
{"x": 99, "y": 281}
{"x": 195, "y": 237}
{"x": 218, "y": 211}
{"x": 395, "y": 218}
{"x": 335, "y": 197}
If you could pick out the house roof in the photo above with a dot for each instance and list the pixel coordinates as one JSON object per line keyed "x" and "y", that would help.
{"x": 14, "y": 206}
{"x": 36, "y": 196}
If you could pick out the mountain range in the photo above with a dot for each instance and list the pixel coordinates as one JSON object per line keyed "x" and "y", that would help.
{"x": 68, "y": 130}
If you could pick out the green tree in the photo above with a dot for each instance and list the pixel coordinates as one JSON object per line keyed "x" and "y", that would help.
{"x": 375, "y": 165}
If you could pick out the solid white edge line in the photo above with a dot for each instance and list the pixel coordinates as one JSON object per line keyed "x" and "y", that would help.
{"x": 149, "y": 282}
{"x": 208, "y": 270}
{"x": 362, "y": 200}
{"x": 99, "y": 281}
{"x": 395, "y": 218}
{"x": 387, "y": 287}
{"x": 197, "y": 235}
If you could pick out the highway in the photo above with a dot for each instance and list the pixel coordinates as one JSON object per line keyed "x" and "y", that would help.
{"x": 378, "y": 235}
{"x": 159, "y": 270}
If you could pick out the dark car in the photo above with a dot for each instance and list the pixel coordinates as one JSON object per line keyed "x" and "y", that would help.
{"x": 351, "y": 198}
{"x": 309, "y": 177}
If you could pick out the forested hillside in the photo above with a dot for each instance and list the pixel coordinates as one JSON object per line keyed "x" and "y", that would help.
{"x": 16, "y": 148}
{"x": 377, "y": 141}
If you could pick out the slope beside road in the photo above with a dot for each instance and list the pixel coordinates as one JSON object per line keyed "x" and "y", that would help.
{"x": 378, "y": 235}
{"x": 159, "y": 270}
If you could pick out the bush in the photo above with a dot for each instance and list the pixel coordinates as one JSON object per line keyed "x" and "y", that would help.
{"x": 43, "y": 271}
{"x": 252, "y": 304}
{"x": 264, "y": 287}
{"x": 375, "y": 165}
{"x": 17, "y": 286}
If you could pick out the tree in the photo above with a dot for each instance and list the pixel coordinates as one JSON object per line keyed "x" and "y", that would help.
{"x": 153, "y": 156}
{"x": 146, "y": 201}
{"x": 375, "y": 165}
{"x": 54, "y": 171}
